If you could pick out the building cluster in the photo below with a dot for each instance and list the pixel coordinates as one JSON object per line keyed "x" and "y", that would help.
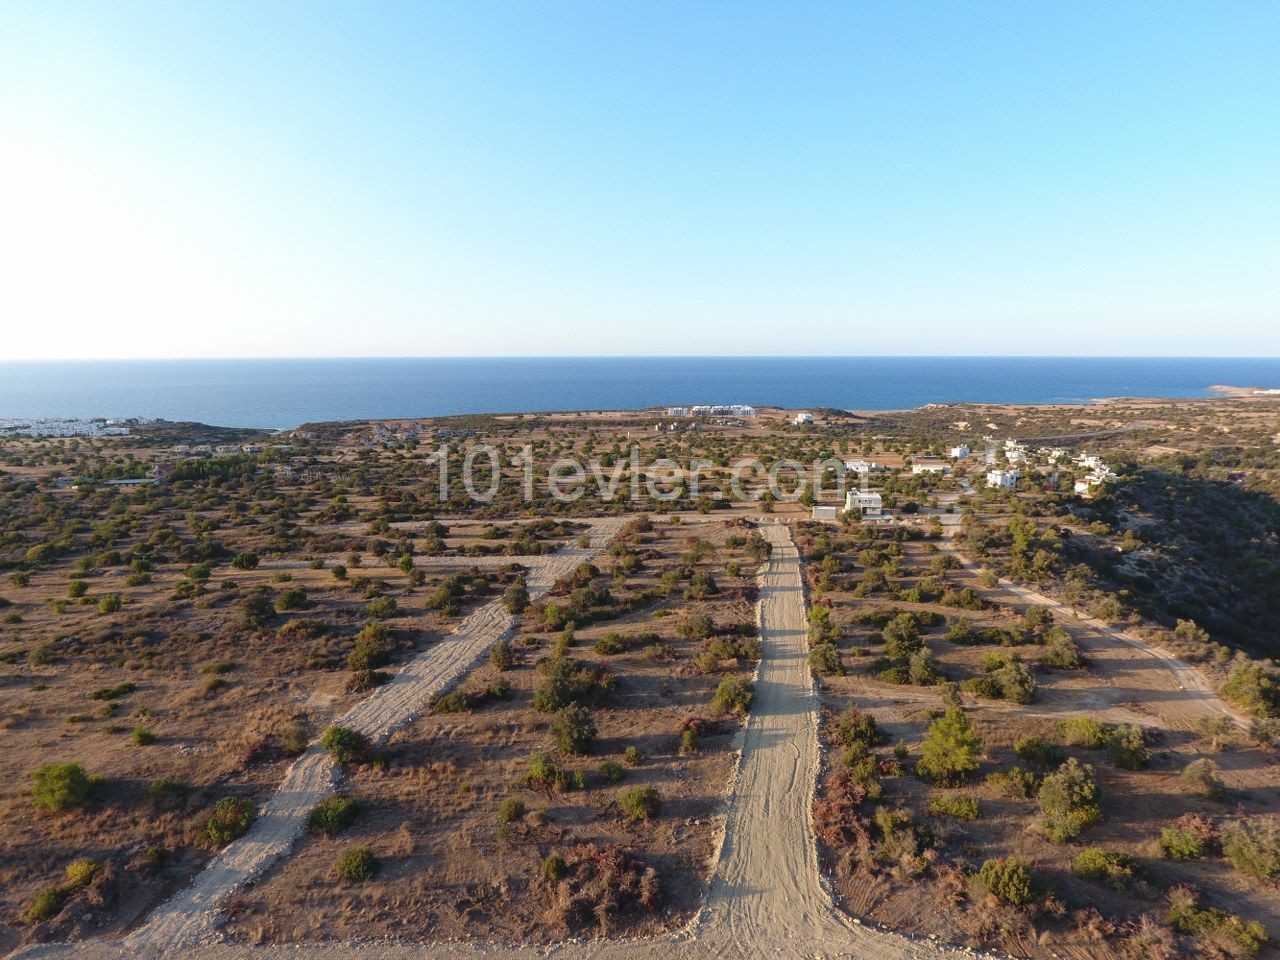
{"x": 58, "y": 427}
{"x": 1094, "y": 473}
{"x": 802, "y": 418}
{"x": 713, "y": 410}
{"x": 196, "y": 451}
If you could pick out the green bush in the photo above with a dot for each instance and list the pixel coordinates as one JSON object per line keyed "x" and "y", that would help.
{"x": 1253, "y": 847}
{"x": 345, "y": 745}
{"x": 855, "y": 727}
{"x": 80, "y": 873}
{"x": 167, "y": 789}
{"x": 690, "y": 742}
{"x": 554, "y": 868}
{"x": 1084, "y": 732}
{"x": 825, "y": 660}
{"x": 1202, "y": 775}
{"x": 516, "y": 597}
{"x": 333, "y": 815}
{"x": 954, "y": 805}
{"x": 295, "y": 598}
{"x": 611, "y": 771}
{"x": 372, "y": 648}
{"x": 455, "y": 701}
{"x": 632, "y": 756}
{"x": 734, "y": 695}
{"x": 1254, "y": 687}
{"x": 356, "y": 865}
{"x": 231, "y": 818}
{"x": 511, "y": 810}
{"x": 143, "y": 737}
{"x": 542, "y": 772}
{"x": 1110, "y": 867}
{"x": 501, "y": 656}
{"x": 1179, "y": 844}
{"x": 950, "y": 749}
{"x": 640, "y": 803}
{"x": 611, "y": 644}
{"x": 569, "y": 681}
{"x": 295, "y": 737}
{"x": 46, "y": 904}
{"x": 61, "y": 786}
{"x": 1233, "y": 935}
{"x": 1015, "y": 782}
{"x": 573, "y": 730}
{"x": 1070, "y": 801}
{"x": 114, "y": 693}
{"x": 1128, "y": 748}
{"x": 1040, "y": 752}
{"x": 1007, "y": 879}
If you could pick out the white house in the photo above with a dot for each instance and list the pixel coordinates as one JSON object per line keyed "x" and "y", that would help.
{"x": 861, "y": 466}
{"x": 930, "y": 465}
{"x": 869, "y": 505}
{"x": 1014, "y": 451}
{"x": 960, "y": 452}
{"x": 826, "y": 513}
{"x": 1003, "y": 479}
{"x": 802, "y": 418}
{"x": 1090, "y": 461}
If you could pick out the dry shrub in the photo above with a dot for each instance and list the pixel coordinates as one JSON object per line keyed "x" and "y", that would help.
{"x": 836, "y": 819}
{"x": 601, "y": 888}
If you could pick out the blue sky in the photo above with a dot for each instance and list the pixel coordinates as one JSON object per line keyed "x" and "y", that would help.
{"x": 310, "y": 179}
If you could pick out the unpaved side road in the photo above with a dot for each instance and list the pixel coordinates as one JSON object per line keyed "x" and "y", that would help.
{"x": 767, "y": 897}
{"x": 1159, "y": 683}
{"x": 193, "y": 916}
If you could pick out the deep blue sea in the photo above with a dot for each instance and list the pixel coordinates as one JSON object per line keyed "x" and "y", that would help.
{"x": 285, "y": 393}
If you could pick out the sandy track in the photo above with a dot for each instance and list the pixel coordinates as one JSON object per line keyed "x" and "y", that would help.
{"x": 1147, "y": 679}
{"x": 192, "y": 916}
{"x": 767, "y": 896}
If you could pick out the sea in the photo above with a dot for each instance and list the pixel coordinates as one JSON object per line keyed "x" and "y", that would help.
{"x": 285, "y": 393}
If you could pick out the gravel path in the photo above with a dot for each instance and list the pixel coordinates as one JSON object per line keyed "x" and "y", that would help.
{"x": 1159, "y": 683}
{"x": 767, "y": 896}
{"x": 192, "y": 916}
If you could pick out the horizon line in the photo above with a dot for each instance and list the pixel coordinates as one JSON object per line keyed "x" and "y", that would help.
{"x": 654, "y": 356}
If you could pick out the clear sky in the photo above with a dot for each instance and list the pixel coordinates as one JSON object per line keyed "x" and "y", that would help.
{"x": 375, "y": 179}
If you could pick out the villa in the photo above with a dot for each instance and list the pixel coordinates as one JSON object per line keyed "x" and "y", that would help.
{"x": 1003, "y": 479}
{"x": 861, "y": 466}
{"x": 930, "y": 465}
{"x": 867, "y": 505}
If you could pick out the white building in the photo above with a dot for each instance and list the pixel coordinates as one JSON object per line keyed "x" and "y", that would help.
{"x": 960, "y": 452}
{"x": 826, "y": 513}
{"x": 930, "y": 465}
{"x": 869, "y": 505}
{"x": 802, "y": 418}
{"x": 861, "y": 466}
{"x": 1090, "y": 461}
{"x": 1003, "y": 479}
{"x": 1014, "y": 451}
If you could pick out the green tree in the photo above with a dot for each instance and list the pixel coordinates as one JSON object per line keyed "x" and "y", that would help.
{"x": 1070, "y": 801}
{"x": 950, "y": 750}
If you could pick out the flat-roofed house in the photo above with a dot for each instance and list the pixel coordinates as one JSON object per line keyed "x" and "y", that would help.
{"x": 867, "y": 505}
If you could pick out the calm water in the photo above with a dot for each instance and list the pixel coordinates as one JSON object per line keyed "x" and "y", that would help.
{"x": 284, "y": 393}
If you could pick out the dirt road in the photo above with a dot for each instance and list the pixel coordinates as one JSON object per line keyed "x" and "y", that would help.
{"x": 192, "y": 917}
{"x": 767, "y": 897}
{"x": 1147, "y": 679}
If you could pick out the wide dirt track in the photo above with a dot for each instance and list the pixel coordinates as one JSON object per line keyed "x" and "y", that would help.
{"x": 767, "y": 897}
